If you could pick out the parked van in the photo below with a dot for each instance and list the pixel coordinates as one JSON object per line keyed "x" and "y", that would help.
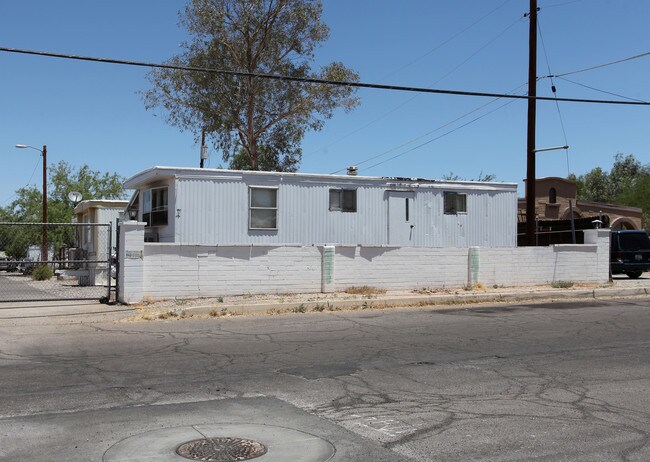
{"x": 630, "y": 253}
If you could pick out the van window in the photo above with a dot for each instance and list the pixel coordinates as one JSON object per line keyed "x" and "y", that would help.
{"x": 634, "y": 241}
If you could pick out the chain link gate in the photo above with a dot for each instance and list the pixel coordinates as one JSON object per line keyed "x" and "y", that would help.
{"x": 56, "y": 261}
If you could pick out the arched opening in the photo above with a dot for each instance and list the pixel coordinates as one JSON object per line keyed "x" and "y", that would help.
{"x": 566, "y": 215}
{"x": 552, "y": 196}
{"x": 622, "y": 224}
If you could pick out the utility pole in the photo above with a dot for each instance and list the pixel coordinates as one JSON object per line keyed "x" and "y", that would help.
{"x": 532, "y": 108}
{"x": 204, "y": 148}
{"x": 44, "y": 244}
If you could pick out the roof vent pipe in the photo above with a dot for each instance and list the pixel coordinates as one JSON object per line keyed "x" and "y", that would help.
{"x": 353, "y": 170}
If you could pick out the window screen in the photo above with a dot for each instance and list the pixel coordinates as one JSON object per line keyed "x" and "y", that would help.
{"x": 263, "y": 209}
{"x": 455, "y": 203}
{"x": 343, "y": 200}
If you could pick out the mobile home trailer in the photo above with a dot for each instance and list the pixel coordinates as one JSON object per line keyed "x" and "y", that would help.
{"x": 227, "y": 207}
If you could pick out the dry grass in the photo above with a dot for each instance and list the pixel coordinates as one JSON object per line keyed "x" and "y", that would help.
{"x": 477, "y": 286}
{"x": 364, "y": 290}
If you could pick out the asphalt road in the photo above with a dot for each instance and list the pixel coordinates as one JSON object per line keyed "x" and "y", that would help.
{"x": 550, "y": 381}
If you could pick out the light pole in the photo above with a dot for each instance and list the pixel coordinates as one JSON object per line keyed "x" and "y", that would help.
{"x": 44, "y": 244}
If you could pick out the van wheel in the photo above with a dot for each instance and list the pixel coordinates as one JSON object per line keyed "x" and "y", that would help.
{"x": 634, "y": 274}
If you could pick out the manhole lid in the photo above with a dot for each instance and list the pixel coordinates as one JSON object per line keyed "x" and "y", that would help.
{"x": 221, "y": 449}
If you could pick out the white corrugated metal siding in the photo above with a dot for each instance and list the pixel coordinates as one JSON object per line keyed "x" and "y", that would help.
{"x": 212, "y": 208}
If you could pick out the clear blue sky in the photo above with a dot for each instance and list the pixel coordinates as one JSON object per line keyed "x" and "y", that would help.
{"x": 90, "y": 113}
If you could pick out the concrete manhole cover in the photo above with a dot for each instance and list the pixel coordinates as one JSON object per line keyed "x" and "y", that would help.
{"x": 221, "y": 449}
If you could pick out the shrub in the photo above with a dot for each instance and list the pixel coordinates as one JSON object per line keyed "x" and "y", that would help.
{"x": 42, "y": 273}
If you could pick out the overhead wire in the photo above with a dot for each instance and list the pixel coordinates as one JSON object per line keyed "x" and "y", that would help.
{"x": 446, "y": 124}
{"x": 428, "y": 133}
{"x": 555, "y": 99}
{"x": 555, "y": 5}
{"x": 28, "y": 181}
{"x": 554, "y": 91}
{"x": 494, "y": 39}
{"x": 374, "y": 86}
{"x": 642, "y": 55}
{"x": 445, "y": 42}
{"x": 349, "y": 84}
{"x": 618, "y": 95}
{"x": 441, "y": 136}
{"x": 396, "y": 108}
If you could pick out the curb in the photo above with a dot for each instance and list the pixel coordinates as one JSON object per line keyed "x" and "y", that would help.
{"x": 414, "y": 301}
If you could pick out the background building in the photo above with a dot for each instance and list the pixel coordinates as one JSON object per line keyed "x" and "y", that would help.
{"x": 555, "y": 197}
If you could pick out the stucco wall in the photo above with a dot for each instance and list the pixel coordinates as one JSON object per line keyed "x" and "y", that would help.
{"x": 172, "y": 270}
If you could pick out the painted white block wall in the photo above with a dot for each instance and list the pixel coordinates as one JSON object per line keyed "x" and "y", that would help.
{"x": 587, "y": 262}
{"x": 601, "y": 238}
{"x": 132, "y": 263}
{"x": 174, "y": 270}
{"x": 400, "y": 267}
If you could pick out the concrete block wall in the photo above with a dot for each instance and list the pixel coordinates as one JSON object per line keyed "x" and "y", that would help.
{"x": 132, "y": 265}
{"x": 400, "y": 267}
{"x": 539, "y": 265}
{"x": 587, "y": 262}
{"x": 601, "y": 238}
{"x": 174, "y": 270}
{"x": 207, "y": 271}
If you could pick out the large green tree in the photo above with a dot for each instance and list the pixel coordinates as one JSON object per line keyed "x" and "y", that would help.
{"x": 63, "y": 178}
{"x": 627, "y": 183}
{"x": 257, "y": 123}
{"x": 613, "y": 186}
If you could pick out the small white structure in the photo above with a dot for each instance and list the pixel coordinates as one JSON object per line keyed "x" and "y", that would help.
{"x": 212, "y": 206}
{"x": 94, "y": 241}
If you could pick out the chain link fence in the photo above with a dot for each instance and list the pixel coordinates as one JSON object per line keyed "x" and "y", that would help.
{"x": 56, "y": 261}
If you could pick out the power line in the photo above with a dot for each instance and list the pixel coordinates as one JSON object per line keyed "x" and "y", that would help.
{"x": 441, "y": 136}
{"x": 316, "y": 81}
{"x": 554, "y": 90}
{"x": 642, "y": 55}
{"x": 458, "y": 34}
{"x": 429, "y": 132}
{"x": 479, "y": 50}
{"x": 28, "y": 181}
{"x": 434, "y": 83}
{"x": 562, "y": 4}
{"x": 598, "y": 90}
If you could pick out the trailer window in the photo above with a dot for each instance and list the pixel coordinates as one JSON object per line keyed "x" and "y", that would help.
{"x": 455, "y": 203}
{"x": 343, "y": 200}
{"x": 263, "y": 208}
{"x": 154, "y": 207}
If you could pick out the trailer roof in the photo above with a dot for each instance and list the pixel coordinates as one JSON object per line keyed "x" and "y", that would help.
{"x": 161, "y": 172}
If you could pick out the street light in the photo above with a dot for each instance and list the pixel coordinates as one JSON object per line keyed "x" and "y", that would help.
{"x": 44, "y": 244}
